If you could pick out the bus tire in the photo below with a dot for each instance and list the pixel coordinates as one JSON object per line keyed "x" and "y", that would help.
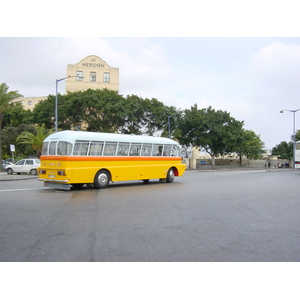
{"x": 102, "y": 179}
{"x": 170, "y": 175}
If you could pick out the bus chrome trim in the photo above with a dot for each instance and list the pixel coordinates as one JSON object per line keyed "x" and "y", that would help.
{"x": 53, "y": 180}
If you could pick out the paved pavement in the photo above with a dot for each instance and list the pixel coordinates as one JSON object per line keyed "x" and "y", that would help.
{"x": 233, "y": 216}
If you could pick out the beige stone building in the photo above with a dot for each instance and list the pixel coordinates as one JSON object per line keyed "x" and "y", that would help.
{"x": 91, "y": 72}
{"x": 30, "y": 102}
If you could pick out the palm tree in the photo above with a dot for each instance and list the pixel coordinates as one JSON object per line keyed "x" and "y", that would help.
{"x": 36, "y": 141}
{"x": 5, "y": 99}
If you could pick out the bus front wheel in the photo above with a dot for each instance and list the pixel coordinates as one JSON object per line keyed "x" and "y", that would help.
{"x": 170, "y": 175}
{"x": 102, "y": 179}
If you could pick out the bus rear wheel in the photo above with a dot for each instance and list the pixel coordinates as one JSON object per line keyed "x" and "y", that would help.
{"x": 102, "y": 179}
{"x": 170, "y": 175}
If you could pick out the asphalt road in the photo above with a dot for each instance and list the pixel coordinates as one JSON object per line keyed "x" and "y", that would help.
{"x": 233, "y": 216}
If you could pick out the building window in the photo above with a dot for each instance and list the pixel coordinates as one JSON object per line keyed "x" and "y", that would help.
{"x": 106, "y": 77}
{"x": 93, "y": 76}
{"x": 79, "y": 76}
{"x": 29, "y": 102}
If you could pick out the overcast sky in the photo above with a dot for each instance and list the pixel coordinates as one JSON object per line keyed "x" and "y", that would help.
{"x": 252, "y": 78}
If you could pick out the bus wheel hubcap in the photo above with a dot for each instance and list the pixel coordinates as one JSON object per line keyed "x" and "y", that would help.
{"x": 102, "y": 178}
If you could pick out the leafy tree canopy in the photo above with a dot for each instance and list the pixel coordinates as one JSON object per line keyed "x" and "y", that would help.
{"x": 108, "y": 111}
{"x": 9, "y": 136}
{"x": 215, "y": 131}
{"x": 44, "y": 111}
{"x": 15, "y": 115}
{"x": 35, "y": 140}
{"x": 5, "y": 98}
{"x": 250, "y": 145}
{"x": 284, "y": 150}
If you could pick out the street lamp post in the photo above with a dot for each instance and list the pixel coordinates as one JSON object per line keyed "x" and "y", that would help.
{"x": 169, "y": 131}
{"x": 294, "y": 132}
{"x": 56, "y": 94}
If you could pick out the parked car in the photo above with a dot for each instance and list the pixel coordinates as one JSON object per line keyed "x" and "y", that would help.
{"x": 5, "y": 164}
{"x": 28, "y": 165}
{"x": 9, "y": 160}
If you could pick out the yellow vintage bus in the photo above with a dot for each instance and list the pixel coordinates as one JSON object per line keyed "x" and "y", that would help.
{"x": 74, "y": 158}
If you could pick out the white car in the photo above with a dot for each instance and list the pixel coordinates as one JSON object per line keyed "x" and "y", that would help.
{"x": 5, "y": 164}
{"x": 28, "y": 165}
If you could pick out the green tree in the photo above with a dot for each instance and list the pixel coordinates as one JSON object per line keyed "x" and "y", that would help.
{"x": 250, "y": 145}
{"x": 156, "y": 117}
{"x": 284, "y": 150}
{"x": 135, "y": 121}
{"x": 9, "y": 136}
{"x": 215, "y": 131}
{"x": 107, "y": 111}
{"x": 104, "y": 110}
{"x": 71, "y": 111}
{"x": 44, "y": 111}
{"x": 36, "y": 141}
{"x": 101, "y": 110}
{"x": 148, "y": 116}
{"x": 5, "y": 99}
{"x": 297, "y": 136}
{"x": 15, "y": 115}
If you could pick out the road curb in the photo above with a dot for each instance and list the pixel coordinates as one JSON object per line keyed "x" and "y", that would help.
{"x": 6, "y": 177}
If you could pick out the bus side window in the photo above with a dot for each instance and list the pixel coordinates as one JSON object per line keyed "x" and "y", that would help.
{"x": 64, "y": 148}
{"x": 110, "y": 149}
{"x": 135, "y": 149}
{"x": 157, "y": 150}
{"x": 80, "y": 148}
{"x": 123, "y": 149}
{"x": 96, "y": 148}
{"x": 146, "y": 150}
{"x": 167, "y": 150}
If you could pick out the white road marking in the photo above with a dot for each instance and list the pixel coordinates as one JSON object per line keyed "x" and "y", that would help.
{"x": 16, "y": 190}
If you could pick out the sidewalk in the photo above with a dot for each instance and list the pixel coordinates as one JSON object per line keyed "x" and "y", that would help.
{"x": 5, "y": 177}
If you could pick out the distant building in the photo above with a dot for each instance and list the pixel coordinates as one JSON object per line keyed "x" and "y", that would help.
{"x": 96, "y": 72}
{"x": 30, "y": 102}
{"x": 91, "y": 72}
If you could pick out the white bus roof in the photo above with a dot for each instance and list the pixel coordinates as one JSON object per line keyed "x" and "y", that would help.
{"x": 72, "y": 136}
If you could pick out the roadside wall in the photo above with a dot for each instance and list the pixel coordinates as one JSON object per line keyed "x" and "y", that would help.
{"x": 205, "y": 164}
